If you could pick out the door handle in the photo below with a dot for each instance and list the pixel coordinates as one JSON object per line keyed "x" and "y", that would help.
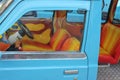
{"x": 70, "y": 72}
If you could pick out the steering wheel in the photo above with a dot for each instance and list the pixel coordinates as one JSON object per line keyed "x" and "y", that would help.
{"x": 25, "y": 29}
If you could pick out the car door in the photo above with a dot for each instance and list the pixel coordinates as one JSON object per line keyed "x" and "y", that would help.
{"x": 66, "y": 62}
{"x": 58, "y": 66}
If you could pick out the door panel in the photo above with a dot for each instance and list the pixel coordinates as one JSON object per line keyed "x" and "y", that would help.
{"x": 44, "y": 69}
{"x": 45, "y": 73}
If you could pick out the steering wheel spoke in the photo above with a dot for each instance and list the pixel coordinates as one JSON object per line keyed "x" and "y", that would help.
{"x": 25, "y": 29}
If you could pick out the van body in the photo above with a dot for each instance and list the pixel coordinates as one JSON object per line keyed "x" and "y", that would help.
{"x": 53, "y": 65}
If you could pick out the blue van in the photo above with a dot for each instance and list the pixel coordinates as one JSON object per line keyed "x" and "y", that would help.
{"x": 58, "y": 46}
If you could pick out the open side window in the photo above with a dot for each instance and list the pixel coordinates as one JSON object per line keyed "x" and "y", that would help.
{"x": 52, "y": 40}
{"x": 76, "y": 16}
{"x": 50, "y": 31}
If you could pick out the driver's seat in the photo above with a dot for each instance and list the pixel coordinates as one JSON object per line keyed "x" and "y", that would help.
{"x": 57, "y": 42}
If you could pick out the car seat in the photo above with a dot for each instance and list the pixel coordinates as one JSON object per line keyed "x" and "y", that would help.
{"x": 61, "y": 40}
{"x": 110, "y": 44}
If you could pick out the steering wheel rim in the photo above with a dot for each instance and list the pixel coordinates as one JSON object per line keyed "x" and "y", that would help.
{"x": 25, "y": 29}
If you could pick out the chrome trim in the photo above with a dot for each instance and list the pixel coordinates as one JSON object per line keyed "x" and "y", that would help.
{"x": 41, "y": 55}
{"x": 4, "y": 5}
{"x": 71, "y": 72}
{"x": 104, "y": 65}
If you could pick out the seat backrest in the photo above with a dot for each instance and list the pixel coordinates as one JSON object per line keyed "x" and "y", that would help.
{"x": 58, "y": 39}
{"x": 110, "y": 36}
{"x": 59, "y": 17}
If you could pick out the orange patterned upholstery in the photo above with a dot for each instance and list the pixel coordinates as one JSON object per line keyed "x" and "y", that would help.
{"x": 103, "y": 52}
{"x": 71, "y": 44}
{"x": 3, "y": 46}
{"x": 43, "y": 38}
{"x": 56, "y": 42}
{"x": 59, "y": 18}
{"x": 35, "y": 46}
{"x": 58, "y": 39}
{"x": 110, "y": 39}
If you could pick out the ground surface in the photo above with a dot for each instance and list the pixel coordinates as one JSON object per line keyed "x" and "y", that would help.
{"x": 109, "y": 73}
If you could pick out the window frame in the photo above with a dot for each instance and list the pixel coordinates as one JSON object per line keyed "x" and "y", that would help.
{"x": 108, "y": 13}
{"x": 80, "y": 50}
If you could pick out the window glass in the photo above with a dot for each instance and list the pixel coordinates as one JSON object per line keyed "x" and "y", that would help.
{"x": 31, "y": 14}
{"x": 76, "y": 16}
{"x": 105, "y": 9}
{"x": 53, "y": 31}
{"x": 116, "y": 19}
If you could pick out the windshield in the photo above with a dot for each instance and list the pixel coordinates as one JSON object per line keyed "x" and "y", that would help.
{"x": 116, "y": 19}
{"x": 4, "y": 4}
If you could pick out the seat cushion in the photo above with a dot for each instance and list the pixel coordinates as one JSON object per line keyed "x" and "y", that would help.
{"x": 43, "y": 38}
{"x": 35, "y": 46}
{"x": 106, "y": 59}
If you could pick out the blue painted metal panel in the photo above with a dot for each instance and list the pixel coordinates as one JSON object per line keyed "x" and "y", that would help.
{"x": 42, "y": 69}
{"x": 93, "y": 39}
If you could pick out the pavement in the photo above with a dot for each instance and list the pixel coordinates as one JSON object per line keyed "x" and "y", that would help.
{"x": 109, "y": 73}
